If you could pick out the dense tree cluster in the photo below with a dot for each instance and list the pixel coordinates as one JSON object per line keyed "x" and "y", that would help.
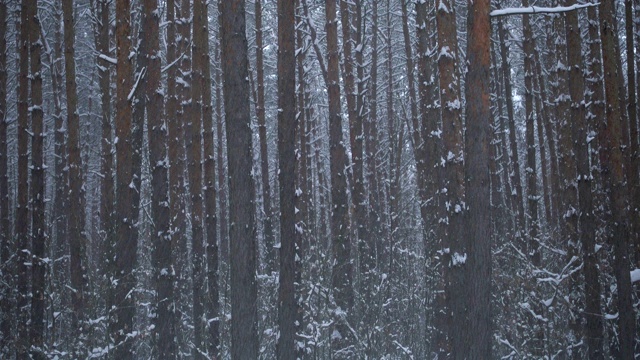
{"x": 338, "y": 179}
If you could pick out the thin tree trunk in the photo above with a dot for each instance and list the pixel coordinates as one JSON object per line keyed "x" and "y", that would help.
{"x": 541, "y": 118}
{"x": 269, "y": 237}
{"x": 244, "y": 337}
{"x": 516, "y": 180}
{"x": 126, "y": 240}
{"x": 531, "y": 246}
{"x": 38, "y": 222}
{"x": 22, "y": 211}
{"x": 193, "y": 139}
{"x": 342, "y": 275}
{"x": 593, "y": 331}
{"x": 287, "y": 305}
{"x": 107, "y": 194}
{"x": 59, "y": 249}
{"x": 209, "y": 167}
{"x": 633, "y": 165}
{"x": 77, "y": 235}
{"x": 372, "y": 144}
{"x": 478, "y": 119}
{"x": 6, "y": 242}
{"x": 611, "y": 162}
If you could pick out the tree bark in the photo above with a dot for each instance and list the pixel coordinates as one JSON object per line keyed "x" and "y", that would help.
{"x": 593, "y": 329}
{"x": 77, "y": 235}
{"x": 478, "y": 226}
{"x": 452, "y": 243}
{"x": 633, "y": 162}
{"x": 242, "y": 236}
{"x": 126, "y": 239}
{"x": 201, "y": 31}
{"x": 6, "y": 242}
{"x": 611, "y": 162}
{"x": 287, "y": 305}
{"x": 164, "y": 331}
{"x": 38, "y": 219}
{"x": 22, "y": 211}
{"x": 107, "y": 194}
{"x": 193, "y": 139}
{"x": 342, "y": 275}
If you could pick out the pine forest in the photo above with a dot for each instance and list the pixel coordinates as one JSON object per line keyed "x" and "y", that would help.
{"x": 319, "y": 179}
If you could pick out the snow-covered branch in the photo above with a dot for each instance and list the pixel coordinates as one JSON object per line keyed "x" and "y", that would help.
{"x": 539, "y": 10}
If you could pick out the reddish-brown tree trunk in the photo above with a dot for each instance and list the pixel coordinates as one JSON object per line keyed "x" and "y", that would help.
{"x": 77, "y": 235}
{"x": 342, "y": 275}
{"x": 126, "y": 240}
{"x": 478, "y": 224}
{"x": 611, "y": 162}
{"x": 287, "y": 305}
{"x": 242, "y": 236}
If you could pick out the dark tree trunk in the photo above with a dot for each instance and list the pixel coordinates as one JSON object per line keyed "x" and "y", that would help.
{"x": 242, "y": 236}
{"x": 633, "y": 165}
{"x": 209, "y": 167}
{"x": 77, "y": 235}
{"x": 126, "y": 239}
{"x": 6, "y": 241}
{"x": 478, "y": 225}
{"x": 164, "y": 331}
{"x": 59, "y": 246}
{"x": 611, "y": 162}
{"x": 287, "y": 306}
{"x": 193, "y": 139}
{"x": 453, "y": 200}
{"x": 38, "y": 220}
{"x": 22, "y": 210}
{"x": 342, "y": 275}
{"x": 107, "y": 194}
{"x": 593, "y": 331}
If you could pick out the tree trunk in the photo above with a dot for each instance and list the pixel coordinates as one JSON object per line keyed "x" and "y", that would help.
{"x": 77, "y": 235}
{"x": 478, "y": 224}
{"x": 164, "y": 331}
{"x": 593, "y": 329}
{"x": 516, "y": 180}
{"x": 244, "y": 337}
{"x": 531, "y": 247}
{"x": 59, "y": 247}
{"x": 209, "y": 167}
{"x": 269, "y": 238}
{"x": 38, "y": 222}
{"x": 342, "y": 275}
{"x": 633, "y": 165}
{"x": 6, "y": 242}
{"x": 611, "y": 162}
{"x": 193, "y": 139}
{"x": 22, "y": 211}
{"x": 287, "y": 305}
{"x": 454, "y": 268}
{"x": 107, "y": 194}
{"x": 126, "y": 240}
